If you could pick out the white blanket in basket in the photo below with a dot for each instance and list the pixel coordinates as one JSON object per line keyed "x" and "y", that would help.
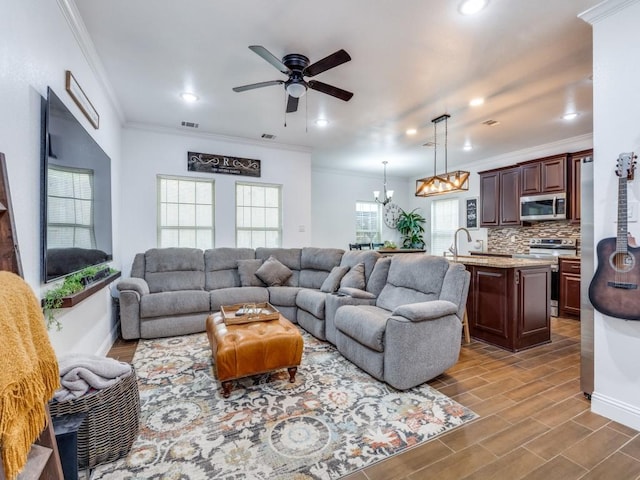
{"x": 79, "y": 373}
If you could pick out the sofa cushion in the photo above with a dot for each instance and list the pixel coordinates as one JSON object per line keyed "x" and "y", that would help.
{"x": 289, "y": 257}
{"x": 313, "y": 258}
{"x": 164, "y": 304}
{"x": 171, "y": 269}
{"x": 364, "y": 323}
{"x": 378, "y": 278}
{"x": 368, "y": 257}
{"x": 273, "y": 272}
{"x": 283, "y": 296}
{"x": 312, "y": 301}
{"x": 332, "y": 282}
{"x": 247, "y": 270}
{"x": 354, "y": 278}
{"x": 234, "y": 295}
{"x": 221, "y": 266}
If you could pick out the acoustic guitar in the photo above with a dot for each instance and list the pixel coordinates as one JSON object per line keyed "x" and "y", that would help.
{"x": 614, "y": 288}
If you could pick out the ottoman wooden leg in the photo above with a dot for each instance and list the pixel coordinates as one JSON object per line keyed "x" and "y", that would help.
{"x": 292, "y": 374}
{"x": 226, "y": 388}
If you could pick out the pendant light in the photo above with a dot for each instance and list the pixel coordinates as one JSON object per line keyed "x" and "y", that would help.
{"x": 388, "y": 194}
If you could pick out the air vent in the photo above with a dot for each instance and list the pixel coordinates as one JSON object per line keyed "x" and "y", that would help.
{"x": 429, "y": 144}
{"x": 268, "y": 136}
{"x": 190, "y": 124}
{"x": 491, "y": 123}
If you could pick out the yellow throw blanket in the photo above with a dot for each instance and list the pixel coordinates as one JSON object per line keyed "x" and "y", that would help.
{"x": 28, "y": 371}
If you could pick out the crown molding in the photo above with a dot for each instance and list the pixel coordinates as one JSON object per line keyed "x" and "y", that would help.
{"x": 81, "y": 34}
{"x": 604, "y": 10}
{"x": 214, "y": 136}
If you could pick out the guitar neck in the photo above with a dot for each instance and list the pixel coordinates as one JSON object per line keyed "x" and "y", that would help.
{"x": 622, "y": 240}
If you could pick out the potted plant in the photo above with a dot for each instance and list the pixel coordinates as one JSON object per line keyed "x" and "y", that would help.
{"x": 411, "y": 227}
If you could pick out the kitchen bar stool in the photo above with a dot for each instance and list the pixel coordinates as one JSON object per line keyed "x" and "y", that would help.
{"x": 465, "y": 327}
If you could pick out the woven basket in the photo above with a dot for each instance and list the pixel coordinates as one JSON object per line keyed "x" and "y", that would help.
{"x": 111, "y": 424}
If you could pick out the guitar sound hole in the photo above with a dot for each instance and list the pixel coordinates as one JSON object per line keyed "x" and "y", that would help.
{"x": 622, "y": 262}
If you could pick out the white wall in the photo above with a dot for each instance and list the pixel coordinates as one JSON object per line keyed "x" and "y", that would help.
{"x": 37, "y": 47}
{"x": 333, "y": 205}
{"x": 616, "y": 120}
{"x": 148, "y": 153}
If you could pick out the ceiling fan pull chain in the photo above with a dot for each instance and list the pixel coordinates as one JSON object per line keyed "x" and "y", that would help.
{"x": 285, "y": 108}
{"x": 306, "y": 114}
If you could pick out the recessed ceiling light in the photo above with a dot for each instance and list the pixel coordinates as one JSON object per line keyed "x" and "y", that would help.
{"x": 570, "y": 116}
{"x": 467, "y": 147}
{"x": 188, "y": 97}
{"x": 411, "y": 131}
{"x": 469, "y": 7}
{"x": 475, "y": 102}
{"x": 322, "y": 122}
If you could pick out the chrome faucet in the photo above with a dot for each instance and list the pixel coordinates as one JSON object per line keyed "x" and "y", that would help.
{"x": 455, "y": 241}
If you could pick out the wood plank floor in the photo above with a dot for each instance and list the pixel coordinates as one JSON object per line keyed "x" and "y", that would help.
{"x": 534, "y": 423}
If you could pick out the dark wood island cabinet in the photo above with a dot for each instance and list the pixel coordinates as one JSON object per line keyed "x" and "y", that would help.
{"x": 509, "y": 301}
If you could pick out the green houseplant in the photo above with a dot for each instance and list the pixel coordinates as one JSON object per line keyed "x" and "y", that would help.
{"x": 411, "y": 227}
{"x": 72, "y": 284}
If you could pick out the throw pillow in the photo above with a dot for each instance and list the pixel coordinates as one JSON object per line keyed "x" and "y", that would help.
{"x": 247, "y": 270}
{"x": 273, "y": 273}
{"x": 332, "y": 282}
{"x": 354, "y": 278}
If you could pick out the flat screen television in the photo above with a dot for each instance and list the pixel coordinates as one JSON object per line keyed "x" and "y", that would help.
{"x": 76, "y": 195}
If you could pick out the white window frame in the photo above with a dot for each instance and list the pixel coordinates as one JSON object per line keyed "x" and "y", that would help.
{"x": 367, "y": 235}
{"x": 186, "y": 227}
{"x": 258, "y": 232}
{"x": 74, "y": 201}
{"x": 444, "y": 223}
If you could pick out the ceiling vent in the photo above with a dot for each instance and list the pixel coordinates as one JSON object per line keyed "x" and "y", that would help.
{"x": 491, "y": 123}
{"x": 429, "y": 144}
{"x": 190, "y": 124}
{"x": 268, "y": 136}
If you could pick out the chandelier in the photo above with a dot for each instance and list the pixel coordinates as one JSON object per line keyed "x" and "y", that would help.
{"x": 447, "y": 182}
{"x": 387, "y": 193}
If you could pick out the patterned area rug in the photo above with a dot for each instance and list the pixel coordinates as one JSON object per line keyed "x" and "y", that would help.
{"x": 334, "y": 420}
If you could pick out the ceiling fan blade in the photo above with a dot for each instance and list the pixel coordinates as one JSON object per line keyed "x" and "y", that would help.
{"x": 333, "y": 60}
{"x": 244, "y": 88}
{"x": 270, "y": 57}
{"x": 292, "y": 104}
{"x": 330, "y": 90}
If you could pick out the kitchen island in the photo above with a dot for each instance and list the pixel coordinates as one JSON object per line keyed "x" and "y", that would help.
{"x": 509, "y": 301}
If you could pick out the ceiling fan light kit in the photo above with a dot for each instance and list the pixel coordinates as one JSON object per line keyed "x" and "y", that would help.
{"x": 297, "y": 66}
{"x": 448, "y": 182}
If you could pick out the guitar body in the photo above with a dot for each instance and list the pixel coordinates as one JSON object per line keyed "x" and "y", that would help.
{"x": 615, "y": 287}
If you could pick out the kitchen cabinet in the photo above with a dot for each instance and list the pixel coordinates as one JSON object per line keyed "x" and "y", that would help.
{"x": 575, "y": 162}
{"x": 546, "y": 175}
{"x": 500, "y": 197}
{"x": 569, "y": 295}
{"x": 510, "y": 307}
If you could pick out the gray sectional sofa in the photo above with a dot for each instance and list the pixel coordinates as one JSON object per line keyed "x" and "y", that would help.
{"x": 398, "y": 318}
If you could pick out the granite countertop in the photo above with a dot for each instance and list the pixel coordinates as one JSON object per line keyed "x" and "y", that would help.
{"x": 501, "y": 262}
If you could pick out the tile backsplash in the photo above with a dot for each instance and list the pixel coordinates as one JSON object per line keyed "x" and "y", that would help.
{"x": 512, "y": 240}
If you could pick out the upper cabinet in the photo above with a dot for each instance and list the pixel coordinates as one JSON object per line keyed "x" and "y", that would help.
{"x": 500, "y": 197}
{"x": 545, "y": 175}
{"x": 575, "y": 162}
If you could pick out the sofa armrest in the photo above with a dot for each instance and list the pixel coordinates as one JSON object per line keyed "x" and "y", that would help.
{"x": 336, "y": 300}
{"x": 138, "y": 285}
{"x": 417, "y": 312}
{"x": 356, "y": 293}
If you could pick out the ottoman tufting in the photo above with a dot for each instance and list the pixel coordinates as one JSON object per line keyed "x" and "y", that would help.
{"x": 252, "y": 348}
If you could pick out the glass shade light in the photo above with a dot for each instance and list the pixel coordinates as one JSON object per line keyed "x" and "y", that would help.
{"x": 295, "y": 89}
{"x": 388, "y": 194}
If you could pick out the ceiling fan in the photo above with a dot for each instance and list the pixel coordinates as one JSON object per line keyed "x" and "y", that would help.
{"x": 296, "y": 66}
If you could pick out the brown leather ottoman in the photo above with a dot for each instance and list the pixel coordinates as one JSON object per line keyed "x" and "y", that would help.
{"x": 253, "y": 348}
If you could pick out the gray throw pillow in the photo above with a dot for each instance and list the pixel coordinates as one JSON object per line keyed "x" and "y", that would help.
{"x": 273, "y": 273}
{"x": 247, "y": 270}
{"x": 354, "y": 278}
{"x": 332, "y": 282}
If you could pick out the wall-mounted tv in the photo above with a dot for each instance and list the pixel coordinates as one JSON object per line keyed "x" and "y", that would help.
{"x": 76, "y": 195}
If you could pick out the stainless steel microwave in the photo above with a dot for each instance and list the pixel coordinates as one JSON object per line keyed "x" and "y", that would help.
{"x": 552, "y": 206}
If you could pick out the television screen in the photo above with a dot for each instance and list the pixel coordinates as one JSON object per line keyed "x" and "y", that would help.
{"x": 76, "y": 195}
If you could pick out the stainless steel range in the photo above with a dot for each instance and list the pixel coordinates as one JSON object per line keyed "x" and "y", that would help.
{"x": 550, "y": 248}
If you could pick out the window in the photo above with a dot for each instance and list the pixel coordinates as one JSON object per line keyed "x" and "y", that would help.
{"x": 185, "y": 212}
{"x": 445, "y": 220}
{"x": 368, "y": 222}
{"x": 70, "y": 203}
{"x": 258, "y": 215}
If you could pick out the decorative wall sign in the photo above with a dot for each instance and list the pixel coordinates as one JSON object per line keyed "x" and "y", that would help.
{"x": 81, "y": 100}
{"x": 471, "y": 212}
{"x": 206, "y": 162}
